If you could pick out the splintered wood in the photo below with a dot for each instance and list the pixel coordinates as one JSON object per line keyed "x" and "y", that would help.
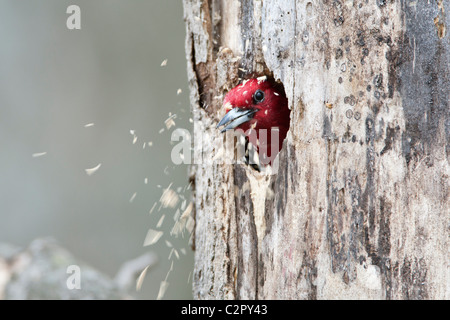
{"x": 39, "y": 154}
{"x": 91, "y": 171}
{"x": 169, "y": 198}
{"x": 152, "y": 237}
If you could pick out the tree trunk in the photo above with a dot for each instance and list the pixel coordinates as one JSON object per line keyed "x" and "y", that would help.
{"x": 359, "y": 205}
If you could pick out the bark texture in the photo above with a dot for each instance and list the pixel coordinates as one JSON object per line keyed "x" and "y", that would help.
{"x": 359, "y": 206}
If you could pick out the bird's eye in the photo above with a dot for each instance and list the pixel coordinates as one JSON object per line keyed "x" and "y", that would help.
{"x": 258, "y": 96}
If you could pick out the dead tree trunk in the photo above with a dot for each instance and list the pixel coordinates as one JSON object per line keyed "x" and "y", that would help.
{"x": 359, "y": 207}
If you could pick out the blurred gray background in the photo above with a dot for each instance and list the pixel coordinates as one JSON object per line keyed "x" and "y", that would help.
{"x": 54, "y": 81}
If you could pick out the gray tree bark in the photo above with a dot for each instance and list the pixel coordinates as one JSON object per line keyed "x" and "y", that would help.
{"x": 359, "y": 207}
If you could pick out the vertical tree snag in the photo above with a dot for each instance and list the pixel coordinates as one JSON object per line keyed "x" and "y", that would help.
{"x": 359, "y": 206}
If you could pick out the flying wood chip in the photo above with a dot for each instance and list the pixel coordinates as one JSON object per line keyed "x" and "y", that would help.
{"x": 91, "y": 171}
{"x": 152, "y": 237}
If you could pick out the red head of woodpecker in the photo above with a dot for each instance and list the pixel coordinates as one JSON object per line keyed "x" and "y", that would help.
{"x": 259, "y": 107}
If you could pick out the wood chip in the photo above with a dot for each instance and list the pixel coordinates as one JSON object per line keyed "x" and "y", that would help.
{"x": 169, "y": 198}
{"x": 152, "y": 237}
{"x": 160, "y": 222}
{"x": 40, "y": 154}
{"x": 91, "y": 171}
{"x": 162, "y": 290}
{"x": 140, "y": 279}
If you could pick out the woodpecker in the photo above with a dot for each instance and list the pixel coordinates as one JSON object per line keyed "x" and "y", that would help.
{"x": 259, "y": 107}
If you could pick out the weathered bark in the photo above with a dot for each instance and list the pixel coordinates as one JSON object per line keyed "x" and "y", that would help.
{"x": 359, "y": 207}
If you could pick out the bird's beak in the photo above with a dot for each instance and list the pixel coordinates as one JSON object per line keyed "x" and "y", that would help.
{"x": 235, "y": 117}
